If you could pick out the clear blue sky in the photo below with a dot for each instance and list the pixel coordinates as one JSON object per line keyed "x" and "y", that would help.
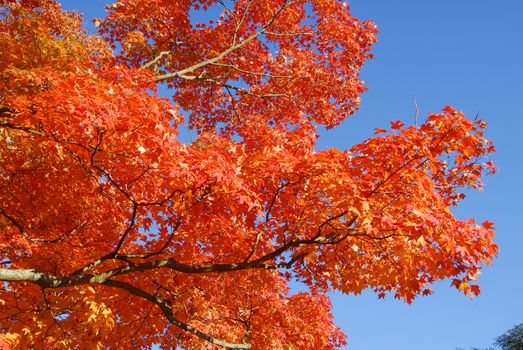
{"x": 469, "y": 54}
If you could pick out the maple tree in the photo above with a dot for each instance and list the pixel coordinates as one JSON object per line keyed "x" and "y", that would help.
{"x": 115, "y": 234}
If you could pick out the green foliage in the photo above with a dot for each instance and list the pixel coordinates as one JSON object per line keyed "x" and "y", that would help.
{"x": 511, "y": 339}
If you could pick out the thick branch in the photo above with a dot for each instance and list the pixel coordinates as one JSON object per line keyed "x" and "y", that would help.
{"x": 47, "y": 281}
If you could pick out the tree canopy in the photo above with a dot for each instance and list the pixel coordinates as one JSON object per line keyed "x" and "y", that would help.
{"x": 511, "y": 339}
{"x": 116, "y": 234}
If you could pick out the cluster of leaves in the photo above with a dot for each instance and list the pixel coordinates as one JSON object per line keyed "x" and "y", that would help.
{"x": 101, "y": 204}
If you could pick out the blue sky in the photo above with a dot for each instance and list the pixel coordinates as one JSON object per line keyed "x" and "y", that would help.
{"x": 469, "y": 54}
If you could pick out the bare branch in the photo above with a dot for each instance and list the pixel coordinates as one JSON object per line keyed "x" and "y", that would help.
{"x": 128, "y": 229}
{"x": 154, "y": 60}
{"x": 157, "y": 252}
{"x": 239, "y": 90}
{"x": 417, "y": 111}
{"x": 261, "y": 74}
{"x": 267, "y": 217}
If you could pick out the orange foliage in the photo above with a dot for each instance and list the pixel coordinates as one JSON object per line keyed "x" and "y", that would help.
{"x": 115, "y": 234}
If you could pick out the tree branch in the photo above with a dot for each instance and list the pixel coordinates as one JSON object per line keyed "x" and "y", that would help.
{"x": 58, "y": 239}
{"x": 168, "y": 312}
{"x": 23, "y": 128}
{"x": 224, "y": 53}
{"x": 46, "y": 281}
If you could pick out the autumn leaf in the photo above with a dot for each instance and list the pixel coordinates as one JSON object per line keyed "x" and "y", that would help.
{"x": 396, "y": 124}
